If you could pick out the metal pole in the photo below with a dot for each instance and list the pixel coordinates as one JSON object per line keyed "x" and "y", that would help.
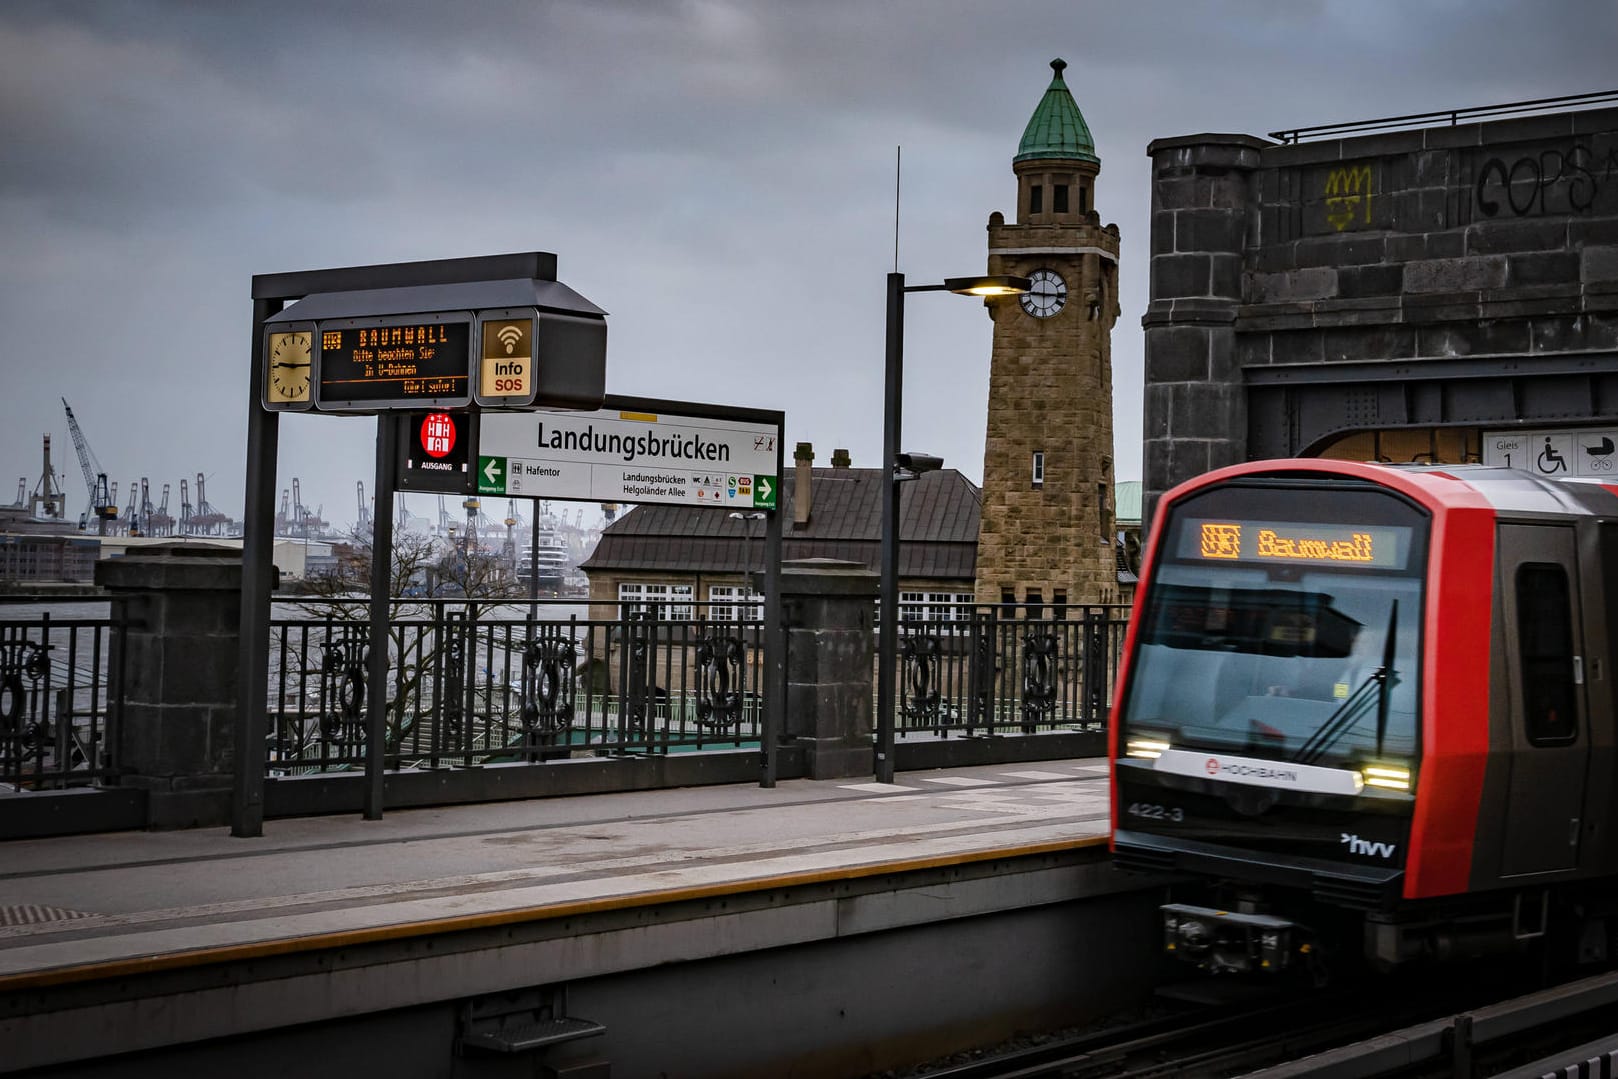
{"x": 376, "y": 681}
{"x": 775, "y": 635}
{"x": 888, "y": 633}
{"x": 533, "y": 560}
{"x": 258, "y": 551}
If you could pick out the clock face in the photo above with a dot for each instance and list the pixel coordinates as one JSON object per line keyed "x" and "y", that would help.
{"x": 286, "y": 371}
{"x": 1046, "y": 294}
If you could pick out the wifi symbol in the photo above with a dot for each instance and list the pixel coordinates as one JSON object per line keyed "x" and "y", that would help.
{"x": 509, "y": 336}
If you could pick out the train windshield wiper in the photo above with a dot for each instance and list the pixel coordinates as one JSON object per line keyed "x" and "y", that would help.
{"x": 1378, "y": 684}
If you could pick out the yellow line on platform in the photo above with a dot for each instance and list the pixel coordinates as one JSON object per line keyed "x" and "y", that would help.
{"x": 152, "y": 964}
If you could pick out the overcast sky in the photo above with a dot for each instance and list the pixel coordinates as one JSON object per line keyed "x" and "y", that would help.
{"x": 716, "y": 174}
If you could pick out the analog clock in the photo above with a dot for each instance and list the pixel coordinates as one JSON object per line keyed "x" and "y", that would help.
{"x": 286, "y": 369}
{"x": 1046, "y": 294}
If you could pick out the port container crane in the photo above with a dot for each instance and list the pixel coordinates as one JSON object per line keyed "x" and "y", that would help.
{"x": 102, "y": 503}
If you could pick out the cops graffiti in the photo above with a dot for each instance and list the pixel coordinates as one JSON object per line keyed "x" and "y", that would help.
{"x": 1550, "y": 182}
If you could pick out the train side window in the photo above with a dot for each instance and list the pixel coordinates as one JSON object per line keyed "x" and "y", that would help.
{"x": 1544, "y": 624}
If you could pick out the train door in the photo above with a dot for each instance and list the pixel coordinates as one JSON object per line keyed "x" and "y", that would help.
{"x": 1550, "y": 737}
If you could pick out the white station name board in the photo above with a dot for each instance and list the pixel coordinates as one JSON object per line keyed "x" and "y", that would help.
{"x": 612, "y": 455}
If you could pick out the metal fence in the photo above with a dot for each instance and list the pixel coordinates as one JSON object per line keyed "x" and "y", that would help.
{"x": 59, "y": 695}
{"x": 984, "y": 671}
{"x": 472, "y": 684}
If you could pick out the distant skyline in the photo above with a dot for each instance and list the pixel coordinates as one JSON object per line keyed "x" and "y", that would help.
{"x": 719, "y": 176}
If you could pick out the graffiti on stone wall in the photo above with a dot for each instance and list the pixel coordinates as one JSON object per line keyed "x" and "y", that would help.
{"x": 1549, "y": 182}
{"x": 1348, "y": 196}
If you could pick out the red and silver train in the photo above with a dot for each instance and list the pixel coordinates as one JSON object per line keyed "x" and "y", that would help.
{"x": 1372, "y": 710}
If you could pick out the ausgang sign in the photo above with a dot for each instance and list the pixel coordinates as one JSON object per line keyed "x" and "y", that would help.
{"x": 615, "y": 455}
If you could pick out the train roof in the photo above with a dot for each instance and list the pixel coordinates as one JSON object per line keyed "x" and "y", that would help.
{"x": 1440, "y": 487}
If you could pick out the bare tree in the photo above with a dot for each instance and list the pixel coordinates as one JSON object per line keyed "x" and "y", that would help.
{"x": 422, "y": 569}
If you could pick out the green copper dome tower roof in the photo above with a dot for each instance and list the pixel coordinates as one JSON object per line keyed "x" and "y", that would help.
{"x": 1057, "y": 128}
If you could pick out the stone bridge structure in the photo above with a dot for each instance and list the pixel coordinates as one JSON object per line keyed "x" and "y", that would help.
{"x": 1443, "y": 294}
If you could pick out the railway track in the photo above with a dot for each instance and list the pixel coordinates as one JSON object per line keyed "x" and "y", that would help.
{"x": 1464, "y": 1029}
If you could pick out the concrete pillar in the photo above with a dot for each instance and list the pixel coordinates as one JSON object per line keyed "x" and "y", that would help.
{"x": 831, "y": 646}
{"x": 1204, "y": 214}
{"x": 179, "y": 662}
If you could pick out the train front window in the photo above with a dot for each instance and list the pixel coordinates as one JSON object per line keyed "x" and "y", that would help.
{"x": 1283, "y": 625}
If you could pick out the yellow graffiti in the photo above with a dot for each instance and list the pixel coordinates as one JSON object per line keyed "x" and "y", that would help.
{"x": 1348, "y": 196}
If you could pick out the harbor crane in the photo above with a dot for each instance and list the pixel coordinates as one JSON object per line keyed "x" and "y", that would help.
{"x": 102, "y": 503}
{"x": 185, "y": 507}
{"x": 48, "y": 501}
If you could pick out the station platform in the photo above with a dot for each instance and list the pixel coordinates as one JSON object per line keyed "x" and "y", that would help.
{"x": 576, "y": 887}
{"x": 133, "y": 901}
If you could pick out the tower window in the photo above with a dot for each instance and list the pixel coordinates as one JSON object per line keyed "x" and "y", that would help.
{"x": 1039, "y": 468}
{"x": 1036, "y": 199}
{"x": 1084, "y": 200}
{"x": 1059, "y": 198}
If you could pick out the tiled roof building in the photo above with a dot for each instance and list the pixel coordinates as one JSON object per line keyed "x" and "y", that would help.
{"x": 702, "y": 548}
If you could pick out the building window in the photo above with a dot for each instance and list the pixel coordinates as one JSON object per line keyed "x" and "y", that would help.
{"x": 734, "y": 603}
{"x": 1059, "y": 198}
{"x": 673, "y": 601}
{"x": 1036, "y": 199}
{"x": 1039, "y": 468}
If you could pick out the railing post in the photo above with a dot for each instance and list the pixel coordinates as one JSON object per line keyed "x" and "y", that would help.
{"x": 180, "y": 653}
{"x": 829, "y": 695}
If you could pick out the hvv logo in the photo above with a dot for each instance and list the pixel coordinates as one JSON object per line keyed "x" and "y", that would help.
{"x": 1356, "y": 845}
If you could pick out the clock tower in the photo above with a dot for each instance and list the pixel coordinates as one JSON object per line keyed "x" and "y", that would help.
{"x": 1046, "y": 533}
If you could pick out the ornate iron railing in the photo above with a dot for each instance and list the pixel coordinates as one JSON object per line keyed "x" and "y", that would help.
{"x": 483, "y": 683}
{"x": 59, "y": 696}
{"x": 986, "y": 671}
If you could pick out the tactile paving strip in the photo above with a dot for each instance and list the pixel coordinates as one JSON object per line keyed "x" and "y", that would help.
{"x": 34, "y": 914}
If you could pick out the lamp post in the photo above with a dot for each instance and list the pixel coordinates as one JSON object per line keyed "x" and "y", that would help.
{"x": 897, "y": 467}
{"x": 747, "y": 559}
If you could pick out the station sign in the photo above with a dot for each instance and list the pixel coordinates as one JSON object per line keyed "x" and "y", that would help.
{"x": 1583, "y": 452}
{"x": 400, "y": 361}
{"x": 611, "y": 455}
{"x": 435, "y": 452}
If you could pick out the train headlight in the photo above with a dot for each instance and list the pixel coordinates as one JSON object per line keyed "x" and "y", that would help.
{"x": 1388, "y": 776}
{"x": 1147, "y": 746}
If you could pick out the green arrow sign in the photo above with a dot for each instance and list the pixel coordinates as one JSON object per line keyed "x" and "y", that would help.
{"x": 491, "y": 475}
{"x": 764, "y": 492}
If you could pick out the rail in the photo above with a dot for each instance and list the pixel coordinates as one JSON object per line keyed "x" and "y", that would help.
{"x": 981, "y": 670}
{"x": 1448, "y": 116}
{"x": 475, "y": 683}
{"x": 59, "y": 698}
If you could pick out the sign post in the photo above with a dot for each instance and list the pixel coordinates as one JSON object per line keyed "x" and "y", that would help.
{"x": 667, "y": 452}
{"x": 379, "y": 340}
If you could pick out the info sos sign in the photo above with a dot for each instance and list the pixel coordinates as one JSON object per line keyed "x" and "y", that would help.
{"x": 435, "y": 451}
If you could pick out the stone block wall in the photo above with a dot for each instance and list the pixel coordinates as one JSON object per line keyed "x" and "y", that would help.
{"x": 1425, "y": 279}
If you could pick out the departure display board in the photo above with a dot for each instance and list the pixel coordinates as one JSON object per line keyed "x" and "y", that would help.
{"x": 1283, "y": 542}
{"x": 397, "y": 362}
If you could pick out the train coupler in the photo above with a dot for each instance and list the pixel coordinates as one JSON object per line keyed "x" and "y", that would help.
{"x": 1231, "y": 942}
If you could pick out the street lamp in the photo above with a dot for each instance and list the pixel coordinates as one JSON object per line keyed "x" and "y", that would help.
{"x": 897, "y": 467}
{"x": 747, "y": 558}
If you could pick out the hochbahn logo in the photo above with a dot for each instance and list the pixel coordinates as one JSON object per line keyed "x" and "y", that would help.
{"x": 1254, "y": 771}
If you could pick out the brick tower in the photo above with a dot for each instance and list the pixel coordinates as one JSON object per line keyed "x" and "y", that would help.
{"x": 1046, "y": 531}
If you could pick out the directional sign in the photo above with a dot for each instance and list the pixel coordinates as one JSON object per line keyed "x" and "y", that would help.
{"x": 612, "y": 455}
{"x": 491, "y": 475}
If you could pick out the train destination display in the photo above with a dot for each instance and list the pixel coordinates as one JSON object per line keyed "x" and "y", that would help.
{"x": 1290, "y": 541}
{"x": 619, "y": 456}
{"x": 395, "y": 362}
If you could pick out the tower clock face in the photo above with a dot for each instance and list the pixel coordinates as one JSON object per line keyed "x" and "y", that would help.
{"x": 1046, "y": 294}
{"x": 287, "y": 369}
